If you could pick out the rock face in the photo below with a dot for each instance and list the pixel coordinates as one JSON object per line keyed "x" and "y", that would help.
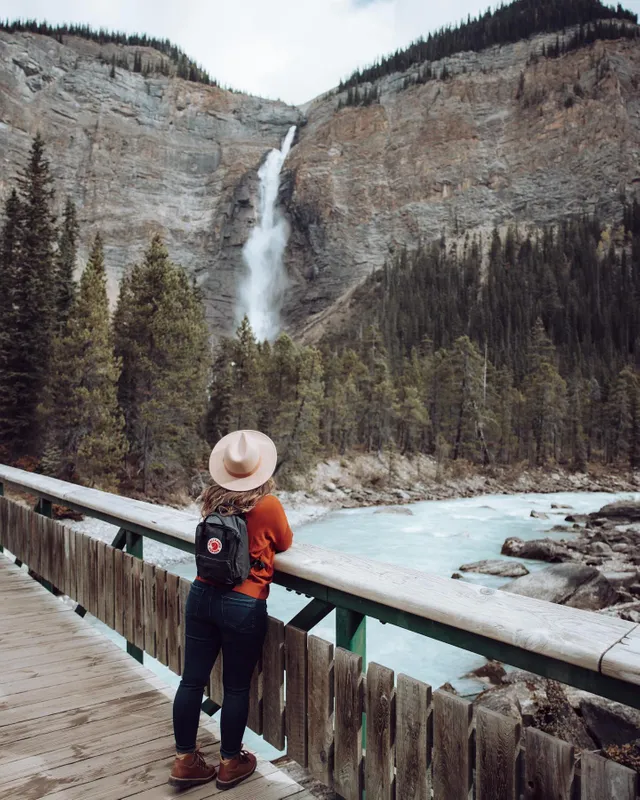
{"x": 537, "y": 549}
{"x": 139, "y": 154}
{"x": 569, "y": 584}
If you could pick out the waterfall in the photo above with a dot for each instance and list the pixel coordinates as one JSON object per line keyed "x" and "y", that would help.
{"x": 262, "y": 292}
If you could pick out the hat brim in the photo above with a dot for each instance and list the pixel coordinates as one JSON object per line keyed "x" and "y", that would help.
{"x": 266, "y": 468}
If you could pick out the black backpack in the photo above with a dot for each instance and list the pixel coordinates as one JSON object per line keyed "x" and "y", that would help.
{"x": 222, "y": 550}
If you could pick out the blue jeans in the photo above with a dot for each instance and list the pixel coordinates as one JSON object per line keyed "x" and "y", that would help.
{"x": 236, "y": 623}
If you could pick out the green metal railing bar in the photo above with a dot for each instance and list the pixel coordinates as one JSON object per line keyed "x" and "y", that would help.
{"x": 311, "y": 615}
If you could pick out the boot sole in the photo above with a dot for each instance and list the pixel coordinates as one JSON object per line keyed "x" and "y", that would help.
{"x": 185, "y": 783}
{"x": 222, "y": 785}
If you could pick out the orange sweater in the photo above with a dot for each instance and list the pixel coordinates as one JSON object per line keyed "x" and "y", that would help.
{"x": 269, "y": 533}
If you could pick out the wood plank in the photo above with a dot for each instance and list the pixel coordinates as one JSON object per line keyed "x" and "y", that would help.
{"x": 161, "y": 616}
{"x": 84, "y": 775}
{"x": 101, "y": 606}
{"x": 320, "y": 701}
{"x": 296, "y": 689}
{"x": 173, "y": 623}
{"x": 54, "y": 705}
{"x": 273, "y": 684}
{"x": 183, "y": 592}
{"x": 58, "y": 539}
{"x": 44, "y": 648}
{"x": 81, "y": 558}
{"x": 254, "y": 720}
{"x": 50, "y": 669}
{"x": 66, "y": 674}
{"x": 348, "y": 720}
{"x": 119, "y": 590}
{"x": 115, "y": 739}
{"x": 87, "y": 683}
{"x": 149, "y": 600}
{"x": 138, "y": 603}
{"x": 622, "y": 661}
{"x": 548, "y": 767}
{"x": 109, "y": 587}
{"x": 215, "y": 690}
{"x": 127, "y": 565}
{"x": 452, "y": 766}
{"x": 380, "y": 761}
{"x": 603, "y": 779}
{"x": 67, "y": 588}
{"x": 52, "y": 654}
{"x": 74, "y": 718}
{"x": 90, "y": 732}
{"x": 497, "y": 749}
{"x": 73, "y": 566}
{"x": 414, "y": 739}
{"x": 150, "y": 783}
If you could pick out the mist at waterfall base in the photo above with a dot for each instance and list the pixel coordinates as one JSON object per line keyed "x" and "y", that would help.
{"x": 438, "y": 537}
{"x": 262, "y": 292}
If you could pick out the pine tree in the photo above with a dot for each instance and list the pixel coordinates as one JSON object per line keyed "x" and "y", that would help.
{"x": 112, "y": 71}
{"x": 12, "y": 343}
{"x": 88, "y": 440}
{"x": 26, "y": 363}
{"x": 162, "y": 339}
{"x": 65, "y": 265}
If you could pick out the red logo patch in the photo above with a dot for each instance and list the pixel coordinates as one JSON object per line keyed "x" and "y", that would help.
{"x": 214, "y": 546}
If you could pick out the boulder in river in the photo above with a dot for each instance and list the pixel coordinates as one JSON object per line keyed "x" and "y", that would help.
{"x": 578, "y": 518}
{"x": 499, "y": 567}
{"x": 395, "y": 510}
{"x": 572, "y": 585}
{"x": 537, "y": 549}
{"x": 623, "y": 509}
{"x": 539, "y": 515}
{"x": 559, "y": 505}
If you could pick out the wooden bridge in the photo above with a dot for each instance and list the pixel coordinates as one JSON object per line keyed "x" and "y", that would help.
{"x": 80, "y": 718}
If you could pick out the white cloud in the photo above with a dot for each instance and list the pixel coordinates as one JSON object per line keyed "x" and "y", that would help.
{"x": 292, "y": 49}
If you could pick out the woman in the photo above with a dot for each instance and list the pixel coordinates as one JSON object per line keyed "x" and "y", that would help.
{"x": 232, "y": 619}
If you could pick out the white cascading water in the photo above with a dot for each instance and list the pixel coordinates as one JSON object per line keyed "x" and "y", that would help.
{"x": 262, "y": 292}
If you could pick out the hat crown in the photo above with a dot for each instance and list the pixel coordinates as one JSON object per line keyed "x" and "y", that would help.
{"x": 241, "y": 457}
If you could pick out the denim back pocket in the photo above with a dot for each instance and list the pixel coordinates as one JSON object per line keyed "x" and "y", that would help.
{"x": 194, "y": 598}
{"x": 242, "y": 613}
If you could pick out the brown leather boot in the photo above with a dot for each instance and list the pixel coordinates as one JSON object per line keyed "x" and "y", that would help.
{"x": 190, "y": 770}
{"x": 234, "y": 770}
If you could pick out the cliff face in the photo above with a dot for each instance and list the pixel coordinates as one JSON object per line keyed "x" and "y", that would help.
{"x": 140, "y": 154}
{"x": 482, "y": 149}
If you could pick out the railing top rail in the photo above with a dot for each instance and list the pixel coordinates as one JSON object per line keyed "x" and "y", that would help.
{"x": 594, "y": 642}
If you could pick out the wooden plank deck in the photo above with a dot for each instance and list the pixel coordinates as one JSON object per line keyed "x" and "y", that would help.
{"x": 81, "y": 720}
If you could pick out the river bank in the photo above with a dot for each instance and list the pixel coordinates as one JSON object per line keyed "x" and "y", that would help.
{"x": 386, "y": 480}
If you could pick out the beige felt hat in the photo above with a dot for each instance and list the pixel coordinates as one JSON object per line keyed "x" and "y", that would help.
{"x": 243, "y": 460}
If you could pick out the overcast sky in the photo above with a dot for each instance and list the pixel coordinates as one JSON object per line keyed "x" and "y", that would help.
{"x": 291, "y": 49}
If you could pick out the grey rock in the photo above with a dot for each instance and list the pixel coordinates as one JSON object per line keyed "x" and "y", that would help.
{"x": 624, "y": 509}
{"x": 601, "y": 549}
{"x": 609, "y": 722}
{"x": 401, "y": 510}
{"x": 539, "y": 515}
{"x": 568, "y": 584}
{"x": 499, "y": 567}
{"x": 537, "y": 549}
{"x": 330, "y": 487}
{"x": 559, "y": 505}
{"x": 577, "y": 518}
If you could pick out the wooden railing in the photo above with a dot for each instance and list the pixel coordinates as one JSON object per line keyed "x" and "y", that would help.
{"x": 415, "y": 742}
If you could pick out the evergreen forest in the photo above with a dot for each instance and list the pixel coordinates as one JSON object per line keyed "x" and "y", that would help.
{"x": 504, "y": 25}
{"x": 183, "y": 66}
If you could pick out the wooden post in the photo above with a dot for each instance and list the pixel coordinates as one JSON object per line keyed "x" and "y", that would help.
{"x": 1, "y": 495}
{"x": 351, "y": 634}
{"x": 44, "y": 508}
{"x": 134, "y": 548}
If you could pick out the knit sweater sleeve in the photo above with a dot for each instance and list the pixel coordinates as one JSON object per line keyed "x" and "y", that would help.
{"x": 278, "y": 523}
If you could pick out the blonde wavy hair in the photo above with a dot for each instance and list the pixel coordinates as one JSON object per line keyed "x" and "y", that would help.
{"x": 217, "y": 499}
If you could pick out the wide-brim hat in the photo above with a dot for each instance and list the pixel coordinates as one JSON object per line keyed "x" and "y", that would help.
{"x": 243, "y": 460}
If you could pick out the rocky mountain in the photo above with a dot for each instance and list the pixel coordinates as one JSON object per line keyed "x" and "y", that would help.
{"x": 510, "y": 136}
